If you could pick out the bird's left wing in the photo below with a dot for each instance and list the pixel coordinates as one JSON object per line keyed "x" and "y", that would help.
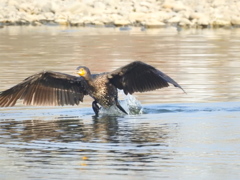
{"x": 140, "y": 77}
{"x": 46, "y": 88}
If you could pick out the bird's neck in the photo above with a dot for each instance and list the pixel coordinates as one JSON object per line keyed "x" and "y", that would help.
{"x": 89, "y": 80}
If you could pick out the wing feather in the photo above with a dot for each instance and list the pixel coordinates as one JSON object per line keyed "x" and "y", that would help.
{"x": 46, "y": 88}
{"x": 140, "y": 77}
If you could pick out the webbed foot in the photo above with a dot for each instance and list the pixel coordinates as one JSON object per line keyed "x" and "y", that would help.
{"x": 120, "y": 107}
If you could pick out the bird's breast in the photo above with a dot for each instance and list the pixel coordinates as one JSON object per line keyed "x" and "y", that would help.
{"x": 103, "y": 92}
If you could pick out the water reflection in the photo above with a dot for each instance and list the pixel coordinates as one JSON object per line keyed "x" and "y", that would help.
{"x": 103, "y": 129}
{"x": 187, "y": 138}
{"x": 83, "y": 145}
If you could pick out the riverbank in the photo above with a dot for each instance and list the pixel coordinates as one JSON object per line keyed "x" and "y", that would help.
{"x": 148, "y": 13}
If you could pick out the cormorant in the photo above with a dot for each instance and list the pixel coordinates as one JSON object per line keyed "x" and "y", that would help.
{"x": 55, "y": 89}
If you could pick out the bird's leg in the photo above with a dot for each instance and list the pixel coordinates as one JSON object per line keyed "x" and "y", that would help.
{"x": 95, "y": 107}
{"x": 120, "y": 107}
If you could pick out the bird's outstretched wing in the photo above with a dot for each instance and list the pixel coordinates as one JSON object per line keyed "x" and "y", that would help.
{"x": 139, "y": 77}
{"x": 46, "y": 88}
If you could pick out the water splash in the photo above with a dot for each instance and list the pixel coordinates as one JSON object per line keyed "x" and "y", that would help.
{"x": 129, "y": 103}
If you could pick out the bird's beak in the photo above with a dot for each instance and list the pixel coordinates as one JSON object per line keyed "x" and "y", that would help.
{"x": 81, "y": 72}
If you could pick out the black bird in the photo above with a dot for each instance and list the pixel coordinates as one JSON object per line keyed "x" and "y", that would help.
{"x": 58, "y": 89}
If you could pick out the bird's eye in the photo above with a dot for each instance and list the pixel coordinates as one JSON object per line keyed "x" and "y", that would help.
{"x": 82, "y": 70}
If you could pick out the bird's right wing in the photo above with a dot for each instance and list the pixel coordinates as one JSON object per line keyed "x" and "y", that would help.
{"x": 46, "y": 88}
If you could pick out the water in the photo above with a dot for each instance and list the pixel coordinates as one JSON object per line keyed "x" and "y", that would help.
{"x": 176, "y": 135}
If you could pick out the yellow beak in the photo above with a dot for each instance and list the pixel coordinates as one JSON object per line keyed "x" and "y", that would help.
{"x": 81, "y": 72}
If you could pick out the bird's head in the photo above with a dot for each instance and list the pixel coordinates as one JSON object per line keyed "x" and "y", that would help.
{"x": 83, "y": 71}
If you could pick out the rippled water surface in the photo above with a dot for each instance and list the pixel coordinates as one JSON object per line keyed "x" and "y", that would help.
{"x": 176, "y": 136}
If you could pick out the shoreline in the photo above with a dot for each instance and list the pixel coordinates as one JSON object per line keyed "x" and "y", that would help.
{"x": 120, "y": 13}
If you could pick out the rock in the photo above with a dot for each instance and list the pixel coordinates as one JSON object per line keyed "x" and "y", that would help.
{"x": 220, "y": 23}
{"x": 99, "y": 5}
{"x": 76, "y": 20}
{"x": 163, "y": 15}
{"x": 203, "y": 21}
{"x": 154, "y": 24}
{"x": 88, "y": 2}
{"x": 29, "y": 8}
{"x": 111, "y": 3}
{"x": 61, "y": 18}
{"x": 200, "y": 19}
{"x": 179, "y": 6}
{"x": 56, "y": 7}
{"x": 150, "y": 6}
{"x": 220, "y": 17}
{"x": 25, "y": 17}
{"x": 12, "y": 3}
{"x": 235, "y": 20}
{"x": 11, "y": 17}
{"x": 98, "y": 23}
{"x": 36, "y": 23}
{"x": 102, "y": 19}
{"x": 121, "y": 22}
{"x": 87, "y": 19}
{"x": 145, "y": 3}
{"x": 237, "y": 4}
{"x": 217, "y": 3}
{"x": 49, "y": 16}
{"x": 195, "y": 15}
{"x": 168, "y": 4}
{"x": 185, "y": 22}
{"x": 194, "y": 23}
{"x": 98, "y": 20}
{"x": 185, "y": 14}
{"x": 175, "y": 19}
{"x": 61, "y": 21}
{"x": 47, "y": 7}
{"x": 115, "y": 17}
{"x": 77, "y": 7}
{"x": 142, "y": 9}
{"x": 40, "y": 17}
{"x": 136, "y": 17}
